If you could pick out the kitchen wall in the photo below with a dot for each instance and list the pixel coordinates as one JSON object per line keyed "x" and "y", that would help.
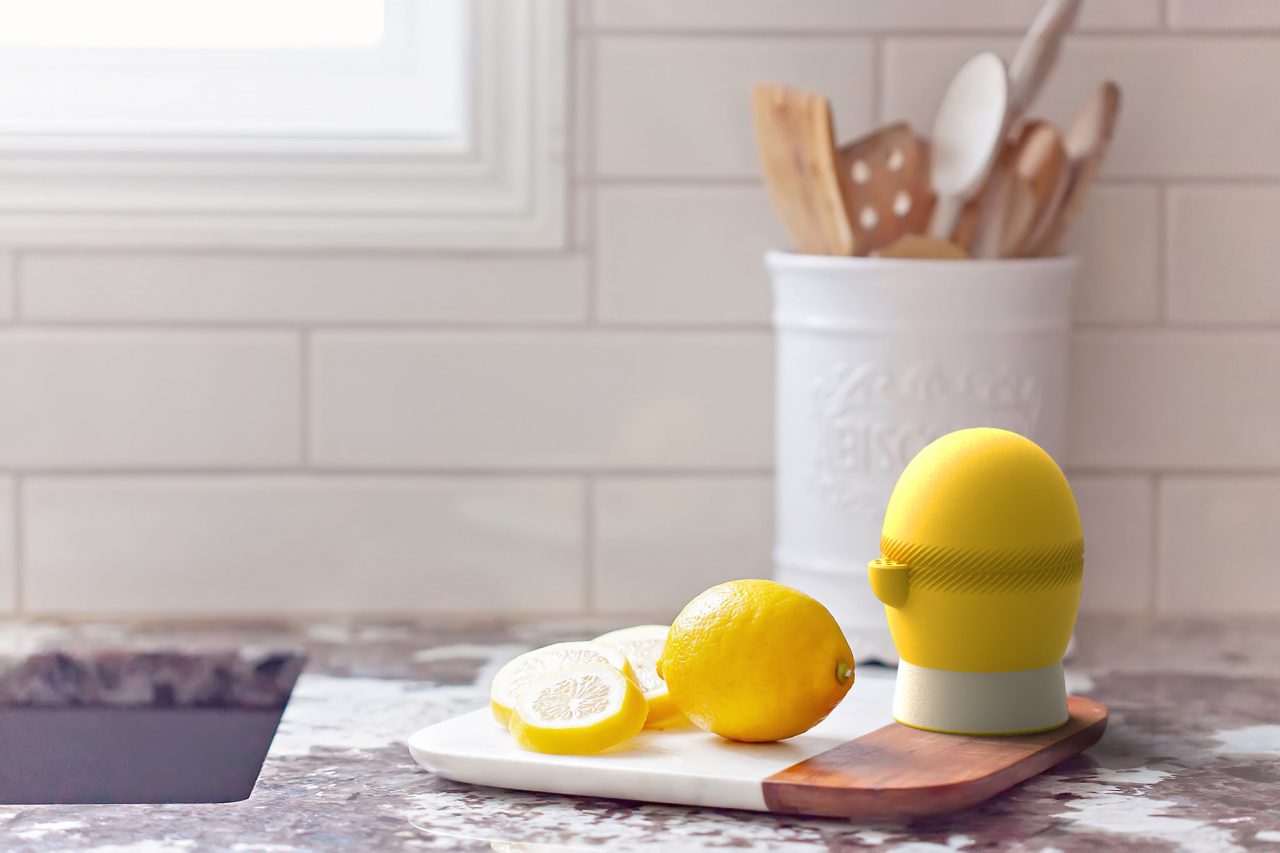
{"x": 590, "y": 430}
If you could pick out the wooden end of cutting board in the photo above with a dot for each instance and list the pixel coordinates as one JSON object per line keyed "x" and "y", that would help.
{"x": 899, "y": 773}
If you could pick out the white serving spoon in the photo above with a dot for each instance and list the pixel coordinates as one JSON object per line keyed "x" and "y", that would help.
{"x": 1030, "y": 67}
{"x": 1037, "y": 53}
{"x": 967, "y": 133}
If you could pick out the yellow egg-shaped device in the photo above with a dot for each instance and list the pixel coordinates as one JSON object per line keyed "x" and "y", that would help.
{"x": 980, "y": 576}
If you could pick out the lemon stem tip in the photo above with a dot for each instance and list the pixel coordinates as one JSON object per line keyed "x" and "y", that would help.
{"x": 844, "y": 672}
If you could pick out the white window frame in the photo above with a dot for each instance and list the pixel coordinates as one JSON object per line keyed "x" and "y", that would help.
{"x": 502, "y": 185}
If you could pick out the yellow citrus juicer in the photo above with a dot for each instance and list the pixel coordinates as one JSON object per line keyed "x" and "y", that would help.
{"x": 983, "y": 558}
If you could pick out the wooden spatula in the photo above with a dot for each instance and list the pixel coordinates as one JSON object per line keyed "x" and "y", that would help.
{"x": 887, "y": 192}
{"x": 802, "y": 170}
{"x": 1086, "y": 143}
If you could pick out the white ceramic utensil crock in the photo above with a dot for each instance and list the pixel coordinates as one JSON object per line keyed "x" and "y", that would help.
{"x": 876, "y": 358}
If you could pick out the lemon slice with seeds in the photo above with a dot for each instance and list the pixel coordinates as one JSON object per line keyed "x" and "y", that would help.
{"x": 643, "y": 647}
{"x": 577, "y": 711}
{"x": 513, "y": 678}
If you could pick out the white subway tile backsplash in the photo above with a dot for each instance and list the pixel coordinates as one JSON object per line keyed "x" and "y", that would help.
{"x": 1175, "y": 400}
{"x": 674, "y": 254}
{"x": 682, "y": 107}
{"x": 1224, "y": 257}
{"x": 1250, "y": 15}
{"x": 689, "y": 254}
{"x": 583, "y": 85}
{"x": 1117, "y": 239}
{"x": 862, "y": 15}
{"x": 1219, "y": 537}
{"x": 661, "y": 541}
{"x": 157, "y": 287}
{"x": 450, "y": 470}
{"x": 1178, "y": 95}
{"x": 303, "y": 545}
{"x": 1116, "y": 513}
{"x": 117, "y": 399}
{"x": 494, "y": 400}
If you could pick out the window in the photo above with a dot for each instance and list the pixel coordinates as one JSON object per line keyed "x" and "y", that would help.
{"x": 399, "y": 123}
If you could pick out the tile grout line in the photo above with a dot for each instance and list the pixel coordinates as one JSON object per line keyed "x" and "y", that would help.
{"x": 1153, "y": 583}
{"x": 516, "y": 472}
{"x": 585, "y": 185}
{"x": 589, "y": 592}
{"x": 304, "y": 398}
{"x": 586, "y": 189}
{"x": 1163, "y": 247}
{"x": 674, "y": 327}
{"x": 464, "y": 618}
{"x": 877, "y": 81}
{"x": 667, "y": 180}
{"x": 675, "y": 33}
{"x": 15, "y": 279}
{"x": 19, "y": 549}
{"x": 399, "y": 472}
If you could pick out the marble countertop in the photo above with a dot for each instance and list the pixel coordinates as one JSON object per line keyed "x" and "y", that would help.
{"x": 1190, "y": 761}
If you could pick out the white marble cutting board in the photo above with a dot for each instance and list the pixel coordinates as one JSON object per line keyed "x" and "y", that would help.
{"x": 686, "y": 766}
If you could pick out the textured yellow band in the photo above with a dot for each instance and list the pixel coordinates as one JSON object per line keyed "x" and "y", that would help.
{"x": 982, "y": 559}
{"x": 988, "y": 570}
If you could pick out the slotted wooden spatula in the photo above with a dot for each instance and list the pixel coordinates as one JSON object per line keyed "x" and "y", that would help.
{"x": 802, "y": 170}
{"x": 887, "y": 192}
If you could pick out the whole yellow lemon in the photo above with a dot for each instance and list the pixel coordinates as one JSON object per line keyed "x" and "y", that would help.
{"x": 753, "y": 660}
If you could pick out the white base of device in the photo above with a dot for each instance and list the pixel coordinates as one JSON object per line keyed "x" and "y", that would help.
{"x": 847, "y": 594}
{"x": 980, "y": 703}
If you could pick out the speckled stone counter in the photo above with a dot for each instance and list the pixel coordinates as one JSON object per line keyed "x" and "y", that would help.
{"x": 1190, "y": 761}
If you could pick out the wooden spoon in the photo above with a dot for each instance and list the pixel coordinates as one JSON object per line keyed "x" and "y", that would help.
{"x": 1086, "y": 143}
{"x": 1036, "y": 183}
{"x": 1037, "y": 53}
{"x": 967, "y": 133}
{"x": 797, "y": 148}
{"x": 1028, "y": 181}
{"x": 988, "y": 200}
{"x": 888, "y": 193}
{"x": 979, "y": 228}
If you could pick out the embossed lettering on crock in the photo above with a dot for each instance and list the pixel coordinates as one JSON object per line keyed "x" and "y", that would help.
{"x": 857, "y": 435}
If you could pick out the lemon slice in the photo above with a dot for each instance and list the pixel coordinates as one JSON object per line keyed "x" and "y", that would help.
{"x": 643, "y": 647}
{"x": 581, "y": 710}
{"x": 530, "y": 666}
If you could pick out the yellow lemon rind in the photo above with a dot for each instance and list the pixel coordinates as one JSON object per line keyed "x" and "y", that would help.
{"x": 756, "y": 661}
{"x": 663, "y": 711}
{"x": 591, "y": 737}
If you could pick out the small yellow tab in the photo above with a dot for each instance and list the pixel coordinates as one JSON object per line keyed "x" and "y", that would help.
{"x": 889, "y": 581}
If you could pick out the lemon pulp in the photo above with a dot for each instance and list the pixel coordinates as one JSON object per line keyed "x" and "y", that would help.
{"x": 577, "y": 711}
{"x": 511, "y": 681}
{"x": 643, "y": 647}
